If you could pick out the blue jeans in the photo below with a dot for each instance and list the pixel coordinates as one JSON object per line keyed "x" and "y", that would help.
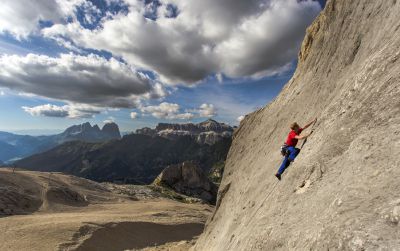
{"x": 288, "y": 158}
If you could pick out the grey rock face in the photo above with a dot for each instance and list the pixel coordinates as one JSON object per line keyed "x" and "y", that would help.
{"x": 188, "y": 179}
{"x": 342, "y": 191}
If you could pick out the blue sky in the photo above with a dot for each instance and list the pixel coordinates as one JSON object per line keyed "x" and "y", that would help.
{"x": 142, "y": 62}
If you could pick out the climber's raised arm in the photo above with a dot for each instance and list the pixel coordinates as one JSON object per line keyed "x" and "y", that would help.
{"x": 309, "y": 124}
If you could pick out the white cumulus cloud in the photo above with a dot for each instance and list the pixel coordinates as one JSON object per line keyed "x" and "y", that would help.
{"x": 166, "y": 111}
{"x": 240, "y": 118}
{"x": 232, "y": 37}
{"x": 22, "y": 17}
{"x": 110, "y": 119}
{"x": 207, "y": 110}
{"x": 47, "y": 110}
{"x": 202, "y": 38}
{"x": 90, "y": 79}
{"x": 173, "y": 111}
{"x": 73, "y": 111}
{"x": 133, "y": 115}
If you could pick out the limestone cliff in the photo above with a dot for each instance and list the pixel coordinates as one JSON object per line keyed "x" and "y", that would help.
{"x": 343, "y": 190}
{"x": 207, "y": 132}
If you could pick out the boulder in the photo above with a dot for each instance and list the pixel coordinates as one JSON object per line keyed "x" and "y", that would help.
{"x": 187, "y": 178}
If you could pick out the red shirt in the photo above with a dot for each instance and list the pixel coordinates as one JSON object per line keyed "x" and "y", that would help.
{"x": 291, "y": 140}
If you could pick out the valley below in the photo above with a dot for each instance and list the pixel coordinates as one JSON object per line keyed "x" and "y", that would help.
{"x": 54, "y": 211}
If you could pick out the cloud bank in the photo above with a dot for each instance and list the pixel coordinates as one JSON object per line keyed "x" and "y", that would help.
{"x": 23, "y": 17}
{"x": 133, "y": 115}
{"x": 88, "y": 79}
{"x": 74, "y": 111}
{"x": 173, "y": 111}
{"x": 150, "y": 46}
{"x": 236, "y": 38}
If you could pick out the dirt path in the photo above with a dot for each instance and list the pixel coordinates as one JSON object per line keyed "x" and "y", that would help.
{"x": 138, "y": 235}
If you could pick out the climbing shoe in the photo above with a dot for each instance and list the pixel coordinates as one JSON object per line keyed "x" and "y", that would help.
{"x": 278, "y": 176}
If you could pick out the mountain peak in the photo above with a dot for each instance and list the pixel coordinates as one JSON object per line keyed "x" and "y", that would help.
{"x": 111, "y": 129}
{"x": 210, "y": 120}
{"x": 206, "y": 132}
{"x": 96, "y": 127}
{"x": 87, "y": 132}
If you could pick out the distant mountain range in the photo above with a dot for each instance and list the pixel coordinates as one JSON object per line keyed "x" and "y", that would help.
{"x": 138, "y": 157}
{"x": 14, "y": 146}
{"x": 86, "y": 132}
{"x": 207, "y": 132}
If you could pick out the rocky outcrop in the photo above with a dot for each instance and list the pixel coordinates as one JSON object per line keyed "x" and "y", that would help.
{"x": 177, "y": 127}
{"x": 147, "y": 131}
{"x": 111, "y": 131}
{"x": 342, "y": 191}
{"x": 186, "y": 178}
{"x": 211, "y": 137}
{"x": 174, "y": 134}
{"x": 205, "y": 126}
{"x": 207, "y": 132}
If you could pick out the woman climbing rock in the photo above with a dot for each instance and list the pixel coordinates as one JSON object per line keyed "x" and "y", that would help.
{"x": 289, "y": 149}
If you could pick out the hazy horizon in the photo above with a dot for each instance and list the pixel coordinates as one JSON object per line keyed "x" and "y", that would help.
{"x": 44, "y": 131}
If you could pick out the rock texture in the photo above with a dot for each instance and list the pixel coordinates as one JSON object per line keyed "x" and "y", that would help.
{"x": 188, "y": 179}
{"x": 343, "y": 190}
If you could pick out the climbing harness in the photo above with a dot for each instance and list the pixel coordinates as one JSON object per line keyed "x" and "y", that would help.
{"x": 284, "y": 150}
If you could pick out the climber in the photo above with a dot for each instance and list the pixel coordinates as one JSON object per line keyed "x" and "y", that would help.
{"x": 290, "y": 145}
